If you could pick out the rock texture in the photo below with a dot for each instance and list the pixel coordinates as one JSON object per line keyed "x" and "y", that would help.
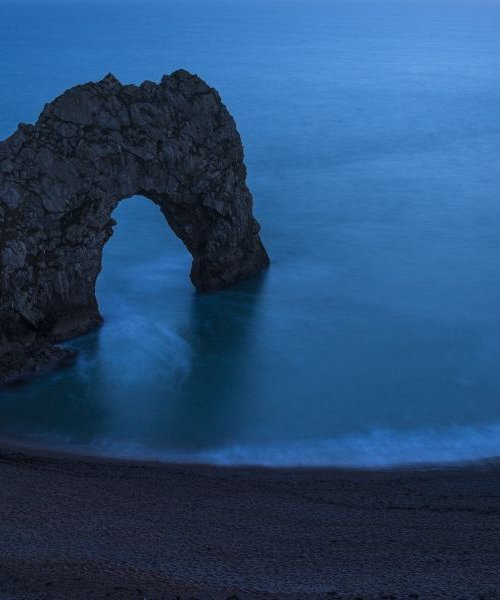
{"x": 60, "y": 179}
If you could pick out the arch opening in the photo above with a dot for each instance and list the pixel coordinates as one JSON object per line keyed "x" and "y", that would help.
{"x": 143, "y": 262}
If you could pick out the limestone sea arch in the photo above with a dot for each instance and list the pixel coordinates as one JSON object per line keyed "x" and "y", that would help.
{"x": 173, "y": 142}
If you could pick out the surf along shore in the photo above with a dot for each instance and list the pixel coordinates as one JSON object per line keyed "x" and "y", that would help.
{"x": 81, "y": 527}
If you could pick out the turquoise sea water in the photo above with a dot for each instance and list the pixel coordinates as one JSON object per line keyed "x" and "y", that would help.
{"x": 372, "y": 139}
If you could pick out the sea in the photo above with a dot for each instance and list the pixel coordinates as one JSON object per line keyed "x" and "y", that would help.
{"x": 371, "y": 131}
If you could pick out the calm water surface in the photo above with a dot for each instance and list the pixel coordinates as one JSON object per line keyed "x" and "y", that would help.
{"x": 372, "y": 138}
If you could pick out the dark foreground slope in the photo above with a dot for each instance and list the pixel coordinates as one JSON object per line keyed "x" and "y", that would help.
{"x": 81, "y": 528}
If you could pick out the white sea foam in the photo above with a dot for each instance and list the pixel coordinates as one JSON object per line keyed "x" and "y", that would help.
{"x": 377, "y": 449}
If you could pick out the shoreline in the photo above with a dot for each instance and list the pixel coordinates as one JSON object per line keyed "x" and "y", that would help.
{"x": 152, "y": 458}
{"x": 25, "y": 448}
{"x": 76, "y": 526}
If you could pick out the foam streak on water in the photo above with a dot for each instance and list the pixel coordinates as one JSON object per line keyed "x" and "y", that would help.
{"x": 377, "y": 449}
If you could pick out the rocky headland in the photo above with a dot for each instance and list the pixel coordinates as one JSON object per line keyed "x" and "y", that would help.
{"x": 60, "y": 180}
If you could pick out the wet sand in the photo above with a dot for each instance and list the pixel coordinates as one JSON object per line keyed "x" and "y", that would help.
{"x": 79, "y": 527}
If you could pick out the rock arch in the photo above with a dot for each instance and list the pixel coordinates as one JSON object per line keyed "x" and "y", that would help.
{"x": 60, "y": 179}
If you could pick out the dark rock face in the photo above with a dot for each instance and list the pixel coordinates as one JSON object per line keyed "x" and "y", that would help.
{"x": 173, "y": 142}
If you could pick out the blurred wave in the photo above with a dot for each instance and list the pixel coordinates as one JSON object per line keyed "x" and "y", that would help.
{"x": 376, "y": 449}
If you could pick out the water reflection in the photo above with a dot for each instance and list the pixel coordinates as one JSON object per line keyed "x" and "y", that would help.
{"x": 205, "y": 406}
{"x": 59, "y": 406}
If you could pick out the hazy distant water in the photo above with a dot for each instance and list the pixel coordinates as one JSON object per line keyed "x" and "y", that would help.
{"x": 372, "y": 137}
